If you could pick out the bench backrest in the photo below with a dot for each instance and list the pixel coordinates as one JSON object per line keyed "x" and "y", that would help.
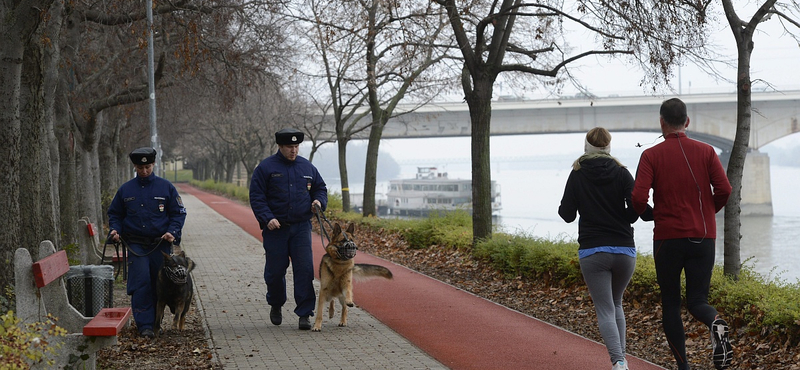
{"x": 50, "y": 268}
{"x": 40, "y": 290}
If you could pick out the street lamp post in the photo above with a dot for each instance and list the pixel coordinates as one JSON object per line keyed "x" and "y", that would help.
{"x": 152, "y": 87}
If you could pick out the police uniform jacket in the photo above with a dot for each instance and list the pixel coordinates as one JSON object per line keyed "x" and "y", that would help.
{"x": 284, "y": 189}
{"x": 147, "y": 207}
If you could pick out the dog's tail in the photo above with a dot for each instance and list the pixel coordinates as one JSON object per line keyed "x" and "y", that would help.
{"x": 365, "y": 271}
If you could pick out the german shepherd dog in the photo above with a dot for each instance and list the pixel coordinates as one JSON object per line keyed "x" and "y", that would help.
{"x": 174, "y": 289}
{"x": 336, "y": 276}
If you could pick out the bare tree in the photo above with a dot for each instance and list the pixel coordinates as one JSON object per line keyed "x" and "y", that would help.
{"x": 520, "y": 37}
{"x": 789, "y": 14}
{"x": 403, "y": 43}
{"x": 332, "y": 32}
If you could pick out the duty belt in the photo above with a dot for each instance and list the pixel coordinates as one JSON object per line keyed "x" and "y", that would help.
{"x": 141, "y": 240}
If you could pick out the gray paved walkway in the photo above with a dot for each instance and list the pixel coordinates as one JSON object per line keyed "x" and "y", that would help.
{"x": 231, "y": 296}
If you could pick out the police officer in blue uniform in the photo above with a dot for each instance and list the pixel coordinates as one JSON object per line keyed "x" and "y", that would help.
{"x": 283, "y": 191}
{"x": 148, "y": 215}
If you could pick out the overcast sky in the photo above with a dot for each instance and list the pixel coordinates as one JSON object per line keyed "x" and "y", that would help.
{"x": 775, "y": 59}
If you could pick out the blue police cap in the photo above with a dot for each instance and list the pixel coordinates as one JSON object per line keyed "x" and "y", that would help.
{"x": 143, "y": 155}
{"x": 289, "y": 136}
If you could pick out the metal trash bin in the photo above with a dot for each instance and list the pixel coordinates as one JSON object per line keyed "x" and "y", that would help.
{"x": 90, "y": 288}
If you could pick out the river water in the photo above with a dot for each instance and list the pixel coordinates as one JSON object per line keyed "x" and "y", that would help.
{"x": 532, "y": 171}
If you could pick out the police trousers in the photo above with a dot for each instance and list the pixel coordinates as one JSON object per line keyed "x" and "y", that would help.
{"x": 292, "y": 242}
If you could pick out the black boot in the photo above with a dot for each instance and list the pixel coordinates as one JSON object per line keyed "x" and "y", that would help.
{"x": 305, "y": 323}
{"x": 275, "y": 315}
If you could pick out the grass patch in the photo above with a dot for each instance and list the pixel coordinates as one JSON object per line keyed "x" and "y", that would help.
{"x": 179, "y": 176}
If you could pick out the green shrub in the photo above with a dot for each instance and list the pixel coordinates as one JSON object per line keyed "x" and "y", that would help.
{"x": 644, "y": 279}
{"x": 760, "y": 304}
{"x": 453, "y": 229}
{"x": 528, "y": 256}
{"x": 334, "y": 202}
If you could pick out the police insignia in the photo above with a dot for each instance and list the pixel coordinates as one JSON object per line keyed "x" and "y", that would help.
{"x": 161, "y": 208}
{"x": 180, "y": 201}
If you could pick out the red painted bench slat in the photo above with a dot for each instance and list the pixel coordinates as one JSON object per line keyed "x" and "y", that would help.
{"x": 50, "y": 268}
{"x": 107, "y": 322}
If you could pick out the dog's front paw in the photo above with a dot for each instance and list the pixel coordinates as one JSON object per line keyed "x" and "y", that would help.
{"x": 350, "y": 304}
{"x": 342, "y": 324}
{"x": 316, "y": 328}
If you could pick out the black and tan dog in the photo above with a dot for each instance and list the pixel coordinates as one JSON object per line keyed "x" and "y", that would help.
{"x": 336, "y": 276}
{"x": 174, "y": 289}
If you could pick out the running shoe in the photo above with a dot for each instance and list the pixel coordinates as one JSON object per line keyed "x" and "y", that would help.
{"x": 723, "y": 352}
{"x": 620, "y": 365}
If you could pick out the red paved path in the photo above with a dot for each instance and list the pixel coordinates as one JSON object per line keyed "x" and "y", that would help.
{"x": 459, "y": 329}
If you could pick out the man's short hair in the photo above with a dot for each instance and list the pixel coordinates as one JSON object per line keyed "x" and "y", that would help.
{"x": 673, "y": 111}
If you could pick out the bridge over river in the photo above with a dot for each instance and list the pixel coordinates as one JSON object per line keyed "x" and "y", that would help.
{"x": 712, "y": 117}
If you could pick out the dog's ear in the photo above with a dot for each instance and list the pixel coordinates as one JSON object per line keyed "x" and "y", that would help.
{"x": 166, "y": 256}
{"x": 337, "y": 229}
{"x": 182, "y": 253}
{"x": 190, "y": 265}
{"x": 351, "y": 228}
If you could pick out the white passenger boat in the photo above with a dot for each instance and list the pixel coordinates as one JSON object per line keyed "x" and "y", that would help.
{"x": 432, "y": 190}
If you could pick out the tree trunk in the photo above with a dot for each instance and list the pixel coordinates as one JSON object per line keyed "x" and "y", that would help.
{"x": 341, "y": 144}
{"x": 110, "y": 179}
{"x": 52, "y": 58}
{"x": 88, "y": 175}
{"x": 32, "y": 146}
{"x": 732, "y": 261}
{"x": 743, "y": 34}
{"x": 371, "y": 166}
{"x": 479, "y": 100}
{"x": 11, "y": 53}
{"x": 20, "y": 21}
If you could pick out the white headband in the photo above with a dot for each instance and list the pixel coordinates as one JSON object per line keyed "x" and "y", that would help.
{"x": 589, "y": 148}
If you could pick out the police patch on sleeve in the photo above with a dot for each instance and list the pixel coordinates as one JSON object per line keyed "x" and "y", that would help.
{"x": 180, "y": 201}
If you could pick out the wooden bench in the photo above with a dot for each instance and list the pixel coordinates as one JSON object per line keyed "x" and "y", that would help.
{"x": 40, "y": 290}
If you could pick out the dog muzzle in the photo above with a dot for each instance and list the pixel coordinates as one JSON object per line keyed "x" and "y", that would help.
{"x": 347, "y": 250}
{"x": 177, "y": 274}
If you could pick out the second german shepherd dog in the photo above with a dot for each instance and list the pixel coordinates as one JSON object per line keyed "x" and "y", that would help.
{"x": 174, "y": 289}
{"x": 336, "y": 276}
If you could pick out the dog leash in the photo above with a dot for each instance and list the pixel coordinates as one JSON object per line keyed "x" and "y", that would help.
{"x": 125, "y": 244}
{"x": 127, "y": 247}
{"x": 321, "y": 226}
{"x": 347, "y": 250}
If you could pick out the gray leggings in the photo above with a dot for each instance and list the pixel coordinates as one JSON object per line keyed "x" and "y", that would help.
{"x": 607, "y": 275}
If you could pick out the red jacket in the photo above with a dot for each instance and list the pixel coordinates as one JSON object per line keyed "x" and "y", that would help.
{"x": 689, "y": 188}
